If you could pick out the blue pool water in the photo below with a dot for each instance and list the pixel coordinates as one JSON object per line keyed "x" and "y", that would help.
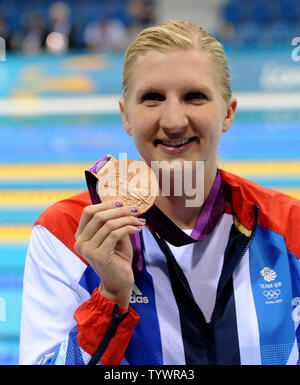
{"x": 252, "y": 137}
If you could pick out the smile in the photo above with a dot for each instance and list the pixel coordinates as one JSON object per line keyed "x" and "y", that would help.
{"x": 174, "y": 142}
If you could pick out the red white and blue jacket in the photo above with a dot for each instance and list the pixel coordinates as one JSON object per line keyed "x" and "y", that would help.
{"x": 257, "y": 312}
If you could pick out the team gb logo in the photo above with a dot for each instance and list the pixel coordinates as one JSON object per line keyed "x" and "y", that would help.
{"x": 268, "y": 274}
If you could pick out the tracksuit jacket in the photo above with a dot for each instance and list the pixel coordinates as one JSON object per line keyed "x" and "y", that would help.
{"x": 256, "y": 316}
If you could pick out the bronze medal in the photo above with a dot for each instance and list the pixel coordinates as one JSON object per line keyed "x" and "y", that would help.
{"x": 129, "y": 181}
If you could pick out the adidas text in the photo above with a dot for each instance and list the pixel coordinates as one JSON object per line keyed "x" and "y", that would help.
{"x": 138, "y": 299}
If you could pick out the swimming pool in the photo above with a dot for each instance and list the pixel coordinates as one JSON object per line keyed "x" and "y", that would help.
{"x": 42, "y": 160}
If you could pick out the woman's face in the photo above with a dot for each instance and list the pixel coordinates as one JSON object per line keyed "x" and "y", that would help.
{"x": 174, "y": 108}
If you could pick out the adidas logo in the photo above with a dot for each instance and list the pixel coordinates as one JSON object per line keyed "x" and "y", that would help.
{"x": 137, "y": 296}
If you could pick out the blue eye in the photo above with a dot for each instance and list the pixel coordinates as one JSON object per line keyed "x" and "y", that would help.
{"x": 195, "y": 96}
{"x": 153, "y": 96}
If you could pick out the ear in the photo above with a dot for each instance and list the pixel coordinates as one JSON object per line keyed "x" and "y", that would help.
{"x": 231, "y": 110}
{"x": 125, "y": 120}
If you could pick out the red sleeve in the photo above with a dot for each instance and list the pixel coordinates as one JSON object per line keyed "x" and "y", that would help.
{"x": 93, "y": 319}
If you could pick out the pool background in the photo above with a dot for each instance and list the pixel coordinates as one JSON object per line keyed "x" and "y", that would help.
{"x": 43, "y": 152}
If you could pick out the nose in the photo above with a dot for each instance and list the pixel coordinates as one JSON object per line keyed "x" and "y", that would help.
{"x": 173, "y": 118}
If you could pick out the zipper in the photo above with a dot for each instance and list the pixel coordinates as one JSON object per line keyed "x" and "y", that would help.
{"x": 116, "y": 320}
{"x": 208, "y": 330}
{"x": 256, "y": 216}
{"x": 230, "y": 271}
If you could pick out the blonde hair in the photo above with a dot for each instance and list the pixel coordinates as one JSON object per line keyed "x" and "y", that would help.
{"x": 177, "y": 34}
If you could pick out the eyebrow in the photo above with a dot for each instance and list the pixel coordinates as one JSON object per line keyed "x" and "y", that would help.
{"x": 146, "y": 89}
{"x": 186, "y": 89}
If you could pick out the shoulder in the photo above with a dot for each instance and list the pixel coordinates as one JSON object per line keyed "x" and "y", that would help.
{"x": 270, "y": 200}
{"x": 65, "y": 211}
{"x": 279, "y": 212}
{"x": 62, "y": 218}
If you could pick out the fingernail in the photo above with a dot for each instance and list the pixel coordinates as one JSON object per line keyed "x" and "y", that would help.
{"x": 134, "y": 209}
{"x": 139, "y": 227}
{"x": 142, "y": 220}
{"x": 118, "y": 204}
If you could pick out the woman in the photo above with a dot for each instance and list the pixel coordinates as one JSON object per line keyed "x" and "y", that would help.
{"x": 213, "y": 284}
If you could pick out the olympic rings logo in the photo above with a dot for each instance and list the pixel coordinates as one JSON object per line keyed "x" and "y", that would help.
{"x": 272, "y": 294}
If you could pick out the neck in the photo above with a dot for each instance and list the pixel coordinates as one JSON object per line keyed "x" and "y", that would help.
{"x": 177, "y": 208}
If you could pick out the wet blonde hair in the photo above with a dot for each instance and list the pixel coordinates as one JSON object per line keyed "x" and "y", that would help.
{"x": 177, "y": 34}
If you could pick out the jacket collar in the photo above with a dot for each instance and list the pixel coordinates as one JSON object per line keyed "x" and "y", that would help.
{"x": 242, "y": 201}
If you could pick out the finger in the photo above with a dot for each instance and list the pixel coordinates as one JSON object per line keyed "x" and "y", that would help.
{"x": 113, "y": 225}
{"x": 101, "y": 217}
{"x": 115, "y": 236}
{"x": 89, "y": 212}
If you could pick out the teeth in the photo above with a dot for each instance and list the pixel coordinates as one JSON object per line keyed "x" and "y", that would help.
{"x": 175, "y": 142}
